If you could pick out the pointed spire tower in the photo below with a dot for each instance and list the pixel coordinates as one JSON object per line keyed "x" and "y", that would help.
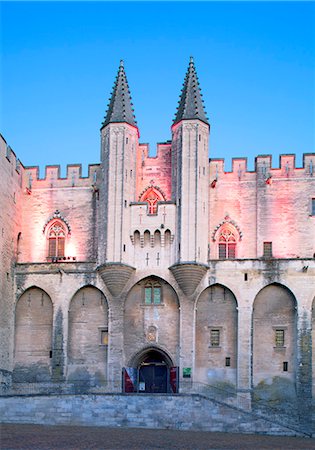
{"x": 120, "y": 108}
{"x": 190, "y": 168}
{"x": 119, "y": 144}
{"x": 191, "y": 103}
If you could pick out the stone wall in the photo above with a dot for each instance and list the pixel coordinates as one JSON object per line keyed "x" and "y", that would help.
{"x": 182, "y": 412}
{"x": 10, "y": 232}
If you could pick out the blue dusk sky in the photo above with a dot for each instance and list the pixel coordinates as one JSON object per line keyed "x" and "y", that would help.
{"x": 255, "y": 63}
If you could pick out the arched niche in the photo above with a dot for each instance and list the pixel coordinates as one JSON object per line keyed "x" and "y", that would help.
{"x": 151, "y": 317}
{"x": 88, "y": 336}
{"x": 33, "y": 336}
{"x": 216, "y": 337}
{"x": 274, "y": 344}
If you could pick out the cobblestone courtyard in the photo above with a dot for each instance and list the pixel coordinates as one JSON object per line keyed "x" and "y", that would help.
{"x": 42, "y": 437}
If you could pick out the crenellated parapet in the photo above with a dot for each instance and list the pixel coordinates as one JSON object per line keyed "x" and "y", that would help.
{"x": 52, "y": 178}
{"x": 264, "y": 169}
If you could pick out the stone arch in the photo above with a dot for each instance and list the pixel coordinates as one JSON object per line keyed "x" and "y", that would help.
{"x": 153, "y": 366}
{"x": 216, "y": 337}
{"x": 151, "y": 302}
{"x": 88, "y": 336}
{"x": 140, "y": 356}
{"x": 33, "y": 336}
{"x": 157, "y": 238}
{"x": 167, "y": 237}
{"x": 136, "y": 238}
{"x": 152, "y": 195}
{"x": 146, "y": 238}
{"x": 274, "y": 344}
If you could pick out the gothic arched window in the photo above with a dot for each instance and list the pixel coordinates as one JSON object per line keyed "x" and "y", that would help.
{"x": 152, "y": 196}
{"x": 227, "y": 244}
{"x": 56, "y": 240}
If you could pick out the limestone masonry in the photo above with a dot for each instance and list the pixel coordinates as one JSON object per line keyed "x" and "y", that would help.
{"x": 160, "y": 274}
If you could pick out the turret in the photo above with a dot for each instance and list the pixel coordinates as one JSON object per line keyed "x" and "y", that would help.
{"x": 190, "y": 165}
{"x": 119, "y": 141}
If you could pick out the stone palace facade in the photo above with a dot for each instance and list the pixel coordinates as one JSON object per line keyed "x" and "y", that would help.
{"x": 157, "y": 274}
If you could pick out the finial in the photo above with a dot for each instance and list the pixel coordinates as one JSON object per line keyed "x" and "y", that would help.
{"x": 191, "y": 59}
{"x": 121, "y": 63}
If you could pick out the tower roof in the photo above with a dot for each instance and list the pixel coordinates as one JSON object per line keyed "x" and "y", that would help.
{"x": 120, "y": 106}
{"x": 191, "y": 102}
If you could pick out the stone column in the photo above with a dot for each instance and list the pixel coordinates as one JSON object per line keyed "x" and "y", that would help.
{"x": 115, "y": 343}
{"x": 244, "y": 356}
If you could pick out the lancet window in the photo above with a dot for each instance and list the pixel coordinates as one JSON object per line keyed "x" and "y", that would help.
{"x": 227, "y": 244}
{"x": 152, "y": 196}
{"x": 56, "y": 240}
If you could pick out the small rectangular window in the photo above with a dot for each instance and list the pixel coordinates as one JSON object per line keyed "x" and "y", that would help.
{"x": 268, "y": 249}
{"x": 104, "y": 337}
{"x": 279, "y": 338}
{"x": 215, "y": 338}
{"x": 313, "y": 207}
{"x": 227, "y": 362}
{"x": 152, "y": 295}
{"x": 285, "y": 366}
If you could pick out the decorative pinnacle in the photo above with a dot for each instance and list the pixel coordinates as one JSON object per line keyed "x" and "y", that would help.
{"x": 120, "y": 107}
{"x": 191, "y": 102}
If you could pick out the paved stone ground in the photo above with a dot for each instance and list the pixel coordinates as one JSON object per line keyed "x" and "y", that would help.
{"x": 43, "y": 437}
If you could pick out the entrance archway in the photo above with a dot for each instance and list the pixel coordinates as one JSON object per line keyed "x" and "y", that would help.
{"x": 152, "y": 372}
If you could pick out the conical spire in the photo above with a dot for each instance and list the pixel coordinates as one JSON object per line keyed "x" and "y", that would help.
{"x": 120, "y": 106}
{"x": 191, "y": 103}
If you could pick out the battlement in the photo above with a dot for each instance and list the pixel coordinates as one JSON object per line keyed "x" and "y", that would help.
{"x": 8, "y": 155}
{"x": 52, "y": 177}
{"x": 263, "y": 167}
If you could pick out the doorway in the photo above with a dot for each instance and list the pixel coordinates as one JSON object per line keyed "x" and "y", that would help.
{"x": 153, "y": 373}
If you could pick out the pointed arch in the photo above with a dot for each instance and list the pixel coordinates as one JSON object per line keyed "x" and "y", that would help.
{"x": 57, "y": 229}
{"x": 152, "y": 195}
{"x": 216, "y": 336}
{"x": 227, "y": 234}
{"x": 33, "y": 336}
{"x": 88, "y": 334}
{"x": 274, "y": 337}
{"x": 151, "y": 303}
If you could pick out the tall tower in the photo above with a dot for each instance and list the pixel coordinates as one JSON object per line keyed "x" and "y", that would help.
{"x": 119, "y": 141}
{"x": 190, "y": 164}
